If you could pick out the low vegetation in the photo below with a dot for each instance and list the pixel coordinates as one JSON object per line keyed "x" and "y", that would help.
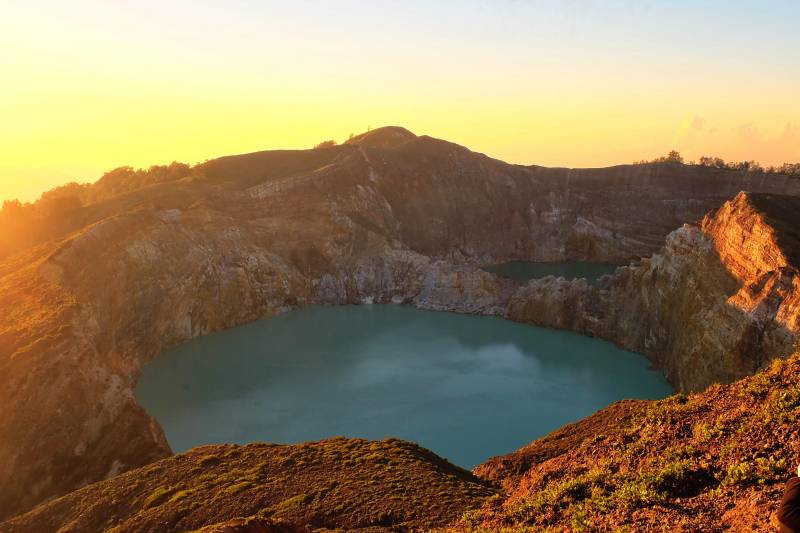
{"x": 700, "y": 462}
{"x": 59, "y": 210}
{"x": 336, "y": 483}
{"x": 325, "y": 144}
{"x": 73, "y": 195}
{"x": 697, "y": 462}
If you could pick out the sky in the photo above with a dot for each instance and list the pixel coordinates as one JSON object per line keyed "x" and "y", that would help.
{"x": 89, "y": 85}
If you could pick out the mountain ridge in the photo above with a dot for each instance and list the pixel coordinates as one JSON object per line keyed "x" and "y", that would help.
{"x": 109, "y": 194}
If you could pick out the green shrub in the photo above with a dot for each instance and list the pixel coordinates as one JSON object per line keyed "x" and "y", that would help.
{"x": 761, "y": 470}
{"x": 781, "y": 405}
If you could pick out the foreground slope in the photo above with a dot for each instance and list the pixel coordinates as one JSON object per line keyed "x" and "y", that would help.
{"x": 95, "y": 294}
{"x": 351, "y": 484}
{"x": 709, "y": 461}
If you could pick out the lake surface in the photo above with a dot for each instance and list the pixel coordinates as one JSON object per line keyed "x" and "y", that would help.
{"x": 466, "y": 387}
{"x": 524, "y": 271}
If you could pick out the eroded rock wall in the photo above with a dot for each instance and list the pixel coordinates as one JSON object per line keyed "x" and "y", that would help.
{"x": 715, "y": 304}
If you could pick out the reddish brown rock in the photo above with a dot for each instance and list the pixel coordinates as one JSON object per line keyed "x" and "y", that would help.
{"x": 716, "y": 303}
{"x": 712, "y": 461}
{"x": 337, "y": 484}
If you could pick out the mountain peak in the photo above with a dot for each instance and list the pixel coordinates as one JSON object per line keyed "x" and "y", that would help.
{"x": 386, "y": 137}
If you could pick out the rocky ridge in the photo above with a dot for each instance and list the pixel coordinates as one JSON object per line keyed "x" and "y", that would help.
{"x": 389, "y": 217}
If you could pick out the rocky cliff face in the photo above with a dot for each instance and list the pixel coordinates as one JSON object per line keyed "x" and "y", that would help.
{"x": 390, "y": 217}
{"x": 715, "y": 304}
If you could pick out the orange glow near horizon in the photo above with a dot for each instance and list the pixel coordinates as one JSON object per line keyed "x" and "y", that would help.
{"x": 91, "y": 86}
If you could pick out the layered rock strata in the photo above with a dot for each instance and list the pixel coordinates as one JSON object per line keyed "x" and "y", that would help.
{"x": 715, "y": 304}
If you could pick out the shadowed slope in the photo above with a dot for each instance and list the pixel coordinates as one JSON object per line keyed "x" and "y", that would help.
{"x": 606, "y": 214}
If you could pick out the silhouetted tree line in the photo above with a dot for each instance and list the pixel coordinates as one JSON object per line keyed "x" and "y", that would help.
{"x": 125, "y": 179}
{"x": 67, "y": 198}
{"x": 331, "y": 143}
{"x": 672, "y": 157}
{"x": 788, "y": 169}
{"x": 325, "y": 144}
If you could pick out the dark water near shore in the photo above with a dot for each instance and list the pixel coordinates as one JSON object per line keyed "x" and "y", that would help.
{"x": 523, "y": 271}
{"x": 466, "y": 387}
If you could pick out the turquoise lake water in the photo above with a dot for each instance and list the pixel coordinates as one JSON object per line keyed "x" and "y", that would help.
{"x": 523, "y": 271}
{"x": 467, "y": 387}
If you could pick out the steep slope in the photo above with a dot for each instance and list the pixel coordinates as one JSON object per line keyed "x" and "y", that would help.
{"x": 717, "y": 303}
{"x": 713, "y": 461}
{"x": 388, "y": 217}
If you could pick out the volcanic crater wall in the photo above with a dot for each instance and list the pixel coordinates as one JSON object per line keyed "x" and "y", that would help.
{"x": 715, "y": 304}
{"x": 391, "y": 217}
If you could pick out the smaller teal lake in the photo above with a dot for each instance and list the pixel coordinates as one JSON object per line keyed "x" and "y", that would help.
{"x": 524, "y": 271}
{"x": 467, "y": 387}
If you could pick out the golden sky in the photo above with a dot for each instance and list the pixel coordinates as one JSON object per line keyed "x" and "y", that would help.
{"x": 87, "y": 86}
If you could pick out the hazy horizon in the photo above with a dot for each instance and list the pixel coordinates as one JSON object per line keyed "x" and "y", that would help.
{"x": 91, "y": 86}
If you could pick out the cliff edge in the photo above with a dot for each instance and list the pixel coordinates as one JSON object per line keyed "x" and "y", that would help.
{"x": 717, "y": 303}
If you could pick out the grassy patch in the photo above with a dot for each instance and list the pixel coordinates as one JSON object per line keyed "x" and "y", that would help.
{"x": 703, "y": 432}
{"x": 159, "y": 496}
{"x": 209, "y": 460}
{"x": 290, "y": 504}
{"x": 781, "y": 405}
{"x": 759, "y": 471}
{"x": 237, "y": 488}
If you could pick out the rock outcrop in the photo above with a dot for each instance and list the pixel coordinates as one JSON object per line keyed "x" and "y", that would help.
{"x": 716, "y": 303}
{"x": 92, "y": 295}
